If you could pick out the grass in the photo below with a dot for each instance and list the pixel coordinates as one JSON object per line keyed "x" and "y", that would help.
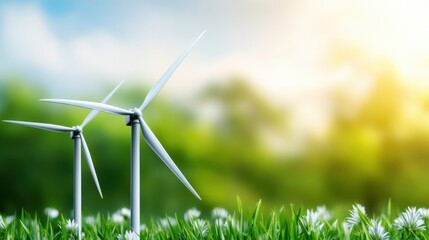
{"x": 285, "y": 223}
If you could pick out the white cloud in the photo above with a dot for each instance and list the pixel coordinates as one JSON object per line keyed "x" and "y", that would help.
{"x": 32, "y": 46}
{"x": 102, "y": 55}
{"x": 28, "y": 39}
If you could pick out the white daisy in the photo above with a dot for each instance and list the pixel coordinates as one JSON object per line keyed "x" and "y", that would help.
{"x": 220, "y": 222}
{"x": 311, "y": 222}
{"x": 192, "y": 214}
{"x": 347, "y": 229}
{"x": 125, "y": 212}
{"x": 376, "y": 230}
{"x": 219, "y": 213}
{"x": 9, "y": 219}
{"x": 231, "y": 222}
{"x": 424, "y": 212}
{"x": 129, "y": 235}
{"x": 410, "y": 220}
{"x": 117, "y": 218}
{"x": 322, "y": 213}
{"x": 2, "y": 225}
{"x": 165, "y": 222}
{"x": 335, "y": 224}
{"x": 201, "y": 227}
{"x": 143, "y": 227}
{"x": 51, "y": 212}
{"x": 355, "y": 215}
{"x": 90, "y": 220}
{"x": 71, "y": 225}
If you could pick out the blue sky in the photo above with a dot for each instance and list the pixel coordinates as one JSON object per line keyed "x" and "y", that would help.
{"x": 70, "y": 32}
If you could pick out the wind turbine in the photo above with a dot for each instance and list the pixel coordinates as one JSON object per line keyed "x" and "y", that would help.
{"x": 76, "y": 133}
{"x": 134, "y": 118}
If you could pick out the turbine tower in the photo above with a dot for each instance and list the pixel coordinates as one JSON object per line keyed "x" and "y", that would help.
{"x": 134, "y": 118}
{"x": 76, "y": 133}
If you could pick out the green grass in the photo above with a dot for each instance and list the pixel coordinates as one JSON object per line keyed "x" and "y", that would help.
{"x": 284, "y": 223}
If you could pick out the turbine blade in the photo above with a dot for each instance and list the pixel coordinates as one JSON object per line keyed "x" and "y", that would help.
{"x": 90, "y": 164}
{"x": 92, "y": 105}
{"x": 160, "y": 151}
{"x": 44, "y": 126}
{"x": 164, "y": 78}
{"x": 94, "y": 113}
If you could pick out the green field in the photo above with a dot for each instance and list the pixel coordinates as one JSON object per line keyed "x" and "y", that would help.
{"x": 284, "y": 223}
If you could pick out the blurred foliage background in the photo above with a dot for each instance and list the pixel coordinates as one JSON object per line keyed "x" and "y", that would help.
{"x": 231, "y": 141}
{"x": 298, "y": 101}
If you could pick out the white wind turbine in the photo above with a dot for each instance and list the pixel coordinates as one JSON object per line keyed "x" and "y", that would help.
{"x": 134, "y": 118}
{"x": 76, "y": 133}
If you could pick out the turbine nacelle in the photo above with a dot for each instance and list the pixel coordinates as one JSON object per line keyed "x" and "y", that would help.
{"x": 134, "y": 117}
{"x": 77, "y": 131}
{"x": 137, "y": 112}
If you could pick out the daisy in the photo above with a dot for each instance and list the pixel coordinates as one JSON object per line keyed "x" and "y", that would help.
{"x": 118, "y": 218}
{"x": 311, "y": 222}
{"x": 51, "y": 212}
{"x": 9, "y": 219}
{"x": 2, "y": 225}
{"x": 231, "y": 222}
{"x": 143, "y": 227}
{"x": 165, "y": 222}
{"x": 125, "y": 212}
{"x": 220, "y": 222}
{"x": 322, "y": 213}
{"x": 355, "y": 215}
{"x": 335, "y": 224}
{"x": 201, "y": 227}
{"x": 129, "y": 235}
{"x": 71, "y": 225}
{"x": 376, "y": 230}
{"x": 347, "y": 229}
{"x": 90, "y": 220}
{"x": 424, "y": 212}
{"x": 192, "y": 214}
{"x": 219, "y": 213}
{"x": 410, "y": 220}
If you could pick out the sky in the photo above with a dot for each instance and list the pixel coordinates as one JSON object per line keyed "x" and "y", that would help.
{"x": 285, "y": 48}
